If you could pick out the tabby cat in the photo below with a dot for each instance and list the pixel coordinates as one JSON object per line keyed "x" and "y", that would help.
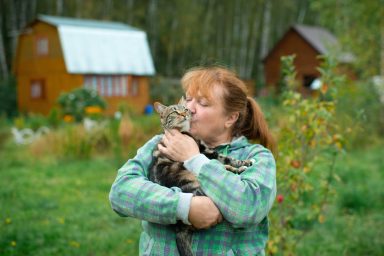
{"x": 169, "y": 173}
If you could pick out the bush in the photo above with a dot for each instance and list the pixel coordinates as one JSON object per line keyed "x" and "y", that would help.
{"x": 8, "y": 102}
{"x": 79, "y": 102}
{"x": 309, "y": 142}
{"x": 360, "y": 111}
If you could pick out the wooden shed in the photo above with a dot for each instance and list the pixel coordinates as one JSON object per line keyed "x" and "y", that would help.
{"x": 57, "y": 54}
{"x": 307, "y": 43}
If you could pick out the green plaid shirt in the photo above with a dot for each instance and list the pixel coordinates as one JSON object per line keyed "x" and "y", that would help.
{"x": 244, "y": 201}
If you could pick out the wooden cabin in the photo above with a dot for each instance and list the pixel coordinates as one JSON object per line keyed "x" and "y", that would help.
{"x": 57, "y": 54}
{"x": 307, "y": 43}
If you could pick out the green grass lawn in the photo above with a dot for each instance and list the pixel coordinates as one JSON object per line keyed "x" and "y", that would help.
{"x": 51, "y": 207}
{"x": 61, "y": 208}
{"x": 354, "y": 224}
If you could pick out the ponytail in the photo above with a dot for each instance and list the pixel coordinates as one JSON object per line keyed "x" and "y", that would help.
{"x": 255, "y": 127}
{"x": 251, "y": 122}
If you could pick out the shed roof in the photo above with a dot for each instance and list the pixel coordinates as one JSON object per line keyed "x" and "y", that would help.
{"x": 318, "y": 37}
{"x": 102, "y": 47}
{"x": 322, "y": 41}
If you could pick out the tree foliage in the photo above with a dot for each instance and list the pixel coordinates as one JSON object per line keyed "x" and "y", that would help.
{"x": 235, "y": 33}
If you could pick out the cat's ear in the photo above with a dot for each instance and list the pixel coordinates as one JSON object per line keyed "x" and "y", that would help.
{"x": 159, "y": 107}
{"x": 182, "y": 101}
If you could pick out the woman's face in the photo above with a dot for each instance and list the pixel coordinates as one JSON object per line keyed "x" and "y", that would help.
{"x": 209, "y": 120}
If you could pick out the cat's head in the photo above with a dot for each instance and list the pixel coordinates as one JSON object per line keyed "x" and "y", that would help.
{"x": 175, "y": 116}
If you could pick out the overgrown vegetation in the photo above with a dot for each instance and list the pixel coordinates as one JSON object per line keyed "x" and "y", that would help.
{"x": 54, "y": 190}
{"x": 53, "y": 206}
{"x": 78, "y": 103}
{"x": 309, "y": 143}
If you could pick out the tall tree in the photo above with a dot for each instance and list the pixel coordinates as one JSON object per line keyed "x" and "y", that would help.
{"x": 357, "y": 25}
{"x": 3, "y": 60}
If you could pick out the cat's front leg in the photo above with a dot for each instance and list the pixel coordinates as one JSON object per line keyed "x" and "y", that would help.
{"x": 236, "y": 170}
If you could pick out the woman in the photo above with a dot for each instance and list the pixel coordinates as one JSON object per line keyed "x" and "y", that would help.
{"x": 232, "y": 218}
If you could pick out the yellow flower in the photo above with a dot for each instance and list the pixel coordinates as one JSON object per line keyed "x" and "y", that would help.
{"x": 61, "y": 220}
{"x": 272, "y": 248}
{"x": 13, "y": 243}
{"x": 68, "y": 118}
{"x": 321, "y": 218}
{"x": 74, "y": 244}
{"x": 92, "y": 110}
{"x": 8, "y": 221}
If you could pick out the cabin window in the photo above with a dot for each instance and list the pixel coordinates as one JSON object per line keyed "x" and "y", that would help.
{"x": 37, "y": 89}
{"x": 42, "y": 46}
{"x": 123, "y": 86}
{"x": 134, "y": 87}
{"x": 107, "y": 86}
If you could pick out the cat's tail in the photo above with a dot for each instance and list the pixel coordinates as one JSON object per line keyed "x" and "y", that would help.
{"x": 183, "y": 242}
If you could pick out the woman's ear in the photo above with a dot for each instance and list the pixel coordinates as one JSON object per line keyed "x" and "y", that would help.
{"x": 231, "y": 119}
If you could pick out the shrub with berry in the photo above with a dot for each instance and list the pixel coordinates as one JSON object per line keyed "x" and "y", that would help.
{"x": 309, "y": 141}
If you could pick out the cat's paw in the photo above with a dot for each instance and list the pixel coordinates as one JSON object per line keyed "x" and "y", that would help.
{"x": 242, "y": 169}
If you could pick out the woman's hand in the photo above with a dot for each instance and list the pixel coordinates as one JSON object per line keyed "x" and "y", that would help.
{"x": 177, "y": 146}
{"x": 203, "y": 213}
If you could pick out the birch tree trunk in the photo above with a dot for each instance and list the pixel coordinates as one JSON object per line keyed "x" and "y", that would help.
{"x": 234, "y": 46}
{"x": 220, "y": 33}
{"x": 78, "y": 8}
{"x": 3, "y": 60}
{"x": 171, "y": 47}
{"x": 265, "y": 29}
{"x": 130, "y": 16}
{"x": 107, "y": 8}
{"x": 244, "y": 47}
{"x": 382, "y": 45}
{"x": 206, "y": 31}
{"x": 228, "y": 29}
{"x": 32, "y": 10}
{"x": 59, "y": 7}
{"x": 265, "y": 33}
{"x": 254, "y": 36}
{"x": 302, "y": 11}
{"x": 12, "y": 26}
{"x": 152, "y": 26}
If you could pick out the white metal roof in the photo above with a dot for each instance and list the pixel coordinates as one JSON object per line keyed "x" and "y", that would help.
{"x": 98, "y": 47}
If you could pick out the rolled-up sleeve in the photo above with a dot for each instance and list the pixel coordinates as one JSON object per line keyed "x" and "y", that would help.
{"x": 246, "y": 198}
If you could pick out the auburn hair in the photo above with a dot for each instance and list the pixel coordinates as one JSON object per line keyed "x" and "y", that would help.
{"x": 251, "y": 122}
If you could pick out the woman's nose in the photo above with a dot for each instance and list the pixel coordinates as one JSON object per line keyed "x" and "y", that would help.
{"x": 191, "y": 106}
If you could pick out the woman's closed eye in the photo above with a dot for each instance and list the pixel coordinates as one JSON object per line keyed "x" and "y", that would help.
{"x": 203, "y": 102}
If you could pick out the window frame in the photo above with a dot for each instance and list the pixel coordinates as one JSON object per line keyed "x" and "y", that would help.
{"x": 41, "y": 84}
{"x": 38, "y": 49}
